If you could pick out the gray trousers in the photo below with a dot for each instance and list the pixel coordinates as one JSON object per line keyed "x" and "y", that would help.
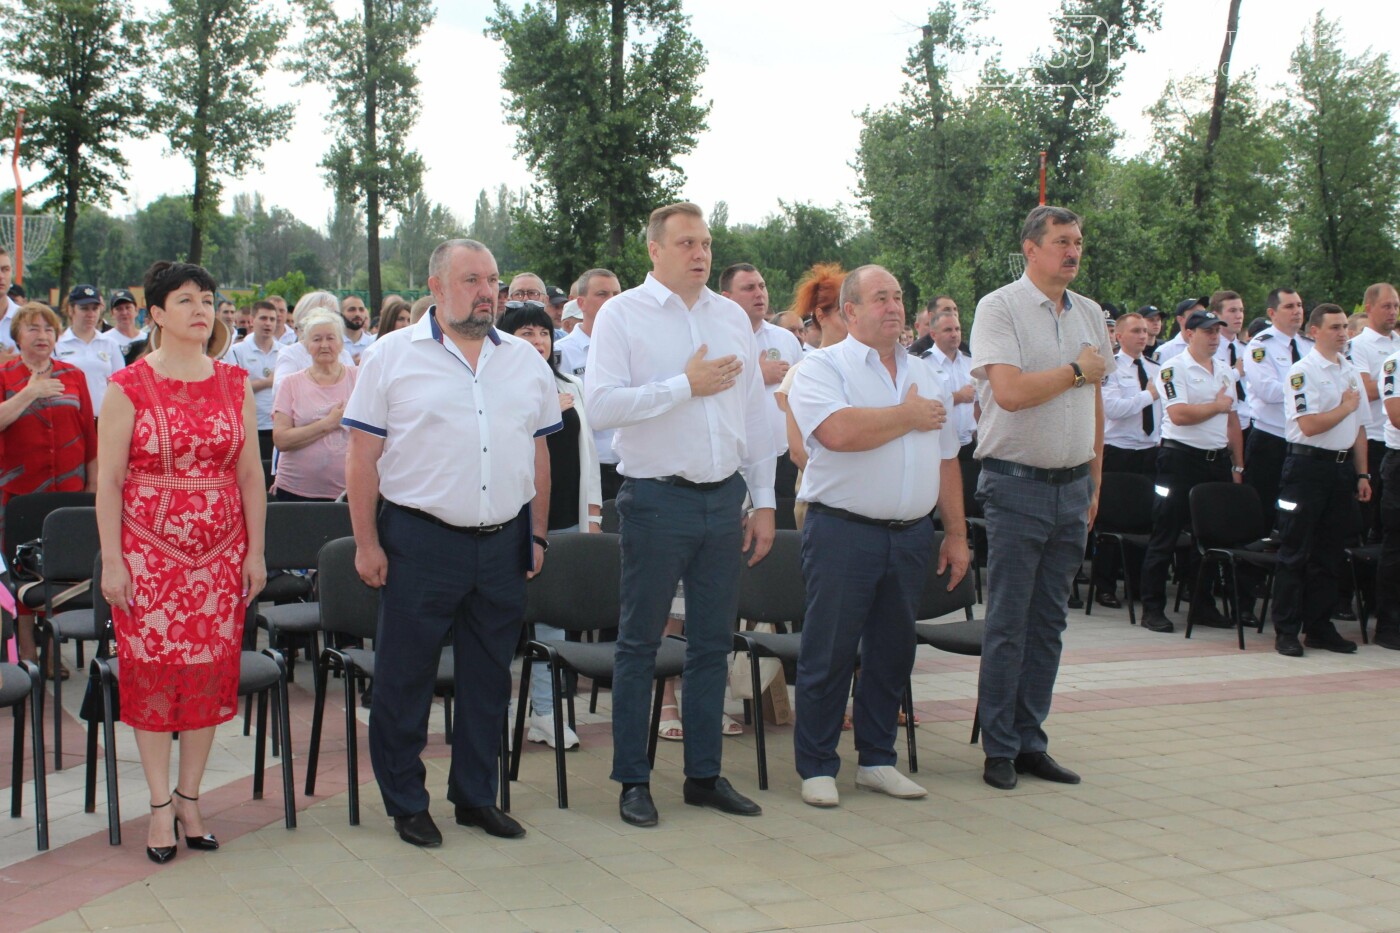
{"x": 1035, "y": 543}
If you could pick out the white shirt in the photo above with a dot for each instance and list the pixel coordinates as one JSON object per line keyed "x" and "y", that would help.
{"x": 121, "y": 340}
{"x": 1187, "y": 382}
{"x": 1315, "y": 386}
{"x": 247, "y": 355}
{"x": 573, "y": 360}
{"x": 289, "y": 337}
{"x": 1222, "y": 355}
{"x": 294, "y": 357}
{"x": 775, "y": 342}
{"x": 959, "y": 373}
{"x": 458, "y": 444}
{"x": 98, "y": 358}
{"x": 1171, "y": 349}
{"x": 1368, "y": 351}
{"x": 1123, "y": 402}
{"x": 897, "y": 481}
{"x": 357, "y": 347}
{"x": 636, "y": 382}
{"x": 1389, "y": 390}
{"x": 11, "y": 309}
{"x": 1265, "y": 368}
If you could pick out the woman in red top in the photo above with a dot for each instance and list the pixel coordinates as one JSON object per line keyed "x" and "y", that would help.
{"x": 180, "y": 513}
{"x": 48, "y": 442}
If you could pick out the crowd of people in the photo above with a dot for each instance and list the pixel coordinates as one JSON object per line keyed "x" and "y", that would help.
{"x": 469, "y": 427}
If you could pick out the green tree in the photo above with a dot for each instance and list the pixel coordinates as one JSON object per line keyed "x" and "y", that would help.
{"x": 365, "y": 62}
{"x": 604, "y": 94}
{"x": 345, "y": 230}
{"x": 75, "y": 66}
{"x": 213, "y": 59}
{"x": 422, "y": 226}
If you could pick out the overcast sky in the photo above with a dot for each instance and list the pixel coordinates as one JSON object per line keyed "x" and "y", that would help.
{"x": 787, "y": 79}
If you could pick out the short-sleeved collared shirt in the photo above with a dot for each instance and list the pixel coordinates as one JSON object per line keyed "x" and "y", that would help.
{"x": 1019, "y": 326}
{"x": 259, "y": 365}
{"x": 358, "y": 346}
{"x": 959, "y": 373}
{"x": 289, "y": 337}
{"x": 1232, "y": 352}
{"x": 897, "y": 481}
{"x": 1184, "y": 381}
{"x": 294, "y": 357}
{"x": 459, "y": 443}
{"x": 573, "y": 360}
{"x": 1368, "y": 350}
{"x": 1171, "y": 349}
{"x": 1265, "y": 368}
{"x": 636, "y": 382}
{"x": 1389, "y": 389}
{"x": 98, "y": 358}
{"x": 778, "y": 343}
{"x": 1124, "y": 399}
{"x": 11, "y": 309}
{"x": 1315, "y": 386}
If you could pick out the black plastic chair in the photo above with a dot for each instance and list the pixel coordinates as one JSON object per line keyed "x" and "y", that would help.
{"x": 1124, "y": 517}
{"x": 976, "y": 521}
{"x": 581, "y": 564}
{"x": 962, "y": 637}
{"x": 70, "y": 547}
{"x": 21, "y": 686}
{"x": 1230, "y": 530}
{"x": 350, "y": 610}
{"x": 1368, "y": 555}
{"x": 609, "y": 524}
{"x": 785, "y": 518}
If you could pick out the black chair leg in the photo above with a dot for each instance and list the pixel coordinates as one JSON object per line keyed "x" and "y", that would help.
{"x": 561, "y": 777}
{"x": 247, "y": 714}
{"x": 976, "y": 725}
{"x": 313, "y": 753}
{"x": 260, "y": 747}
{"x": 524, "y": 697}
{"x": 1235, "y": 603}
{"x": 109, "y": 755}
{"x": 659, "y": 690}
{"x": 1127, "y": 582}
{"x": 909, "y": 727}
{"x": 90, "y": 784}
{"x": 41, "y": 787}
{"x": 352, "y": 748}
{"x": 759, "y": 726}
{"x": 1362, "y": 613}
{"x": 502, "y": 761}
{"x": 57, "y": 661}
{"x": 282, "y": 719}
{"x": 17, "y": 760}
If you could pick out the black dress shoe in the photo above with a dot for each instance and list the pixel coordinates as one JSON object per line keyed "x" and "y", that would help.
{"x": 1075, "y": 601}
{"x": 491, "y": 819}
{"x": 1287, "y": 645}
{"x": 635, "y": 806}
{"x": 1387, "y": 638}
{"x": 1041, "y": 765}
{"x": 1210, "y": 617}
{"x": 1107, "y": 600}
{"x": 418, "y": 829}
{"x": 722, "y": 797}
{"x": 1155, "y": 620}
{"x": 1330, "y": 641}
{"x": 1000, "y": 773}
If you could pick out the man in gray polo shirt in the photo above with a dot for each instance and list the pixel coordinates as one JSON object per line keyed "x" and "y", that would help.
{"x": 1039, "y": 354}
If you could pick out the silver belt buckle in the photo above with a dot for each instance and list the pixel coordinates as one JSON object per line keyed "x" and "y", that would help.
{"x": 1342, "y": 456}
{"x": 1210, "y": 455}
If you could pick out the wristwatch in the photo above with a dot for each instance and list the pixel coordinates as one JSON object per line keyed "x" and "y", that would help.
{"x": 1236, "y": 469}
{"x": 1363, "y": 475}
{"x": 541, "y": 541}
{"x": 1078, "y": 375}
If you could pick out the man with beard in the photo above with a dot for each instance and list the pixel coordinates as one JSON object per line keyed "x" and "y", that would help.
{"x": 355, "y": 316}
{"x": 449, "y": 428}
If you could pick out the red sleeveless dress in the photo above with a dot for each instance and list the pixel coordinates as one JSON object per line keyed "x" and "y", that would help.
{"x": 184, "y": 541}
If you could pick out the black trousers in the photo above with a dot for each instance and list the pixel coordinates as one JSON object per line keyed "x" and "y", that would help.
{"x": 610, "y": 480}
{"x": 1371, "y": 527}
{"x": 1388, "y": 576}
{"x": 1263, "y": 468}
{"x": 1106, "y": 560}
{"x": 265, "y": 443}
{"x": 785, "y": 477}
{"x": 1178, "y": 471}
{"x": 1316, "y": 519}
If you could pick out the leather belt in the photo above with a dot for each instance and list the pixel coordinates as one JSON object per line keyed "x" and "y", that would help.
{"x": 478, "y": 531}
{"x": 1209, "y": 456}
{"x": 684, "y": 483}
{"x": 894, "y": 524}
{"x": 1319, "y": 453}
{"x": 1040, "y": 474}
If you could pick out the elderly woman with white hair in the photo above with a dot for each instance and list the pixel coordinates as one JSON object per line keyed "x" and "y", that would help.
{"x": 294, "y": 357}
{"x": 306, "y": 412}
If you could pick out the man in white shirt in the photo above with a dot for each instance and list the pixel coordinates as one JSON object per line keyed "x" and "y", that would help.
{"x": 285, "y": 334}
{"x": 777, "y": 350}
{"x": 1229, "y": 307}
{"x": 257, "y": 354}
{"x": 874, "y": 421}
{"x": 671, "y": 367}
{"x": 124, "y": 331}
{"x": 595, "y": 287}
{"x": 96, "y": 354}
{"x": 355, "y": 316}
{"x": 1388, "y": 573}
{"x": 7, "y": 343}
{"x": 1177, "y": 344}
{"x": 1368, "y": 351}
{"x": 946, "y": 353}
{"x": 1271, "y": 353}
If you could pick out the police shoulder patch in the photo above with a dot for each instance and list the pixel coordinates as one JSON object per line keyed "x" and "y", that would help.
{"x": 1257, "y": 354}
{"x": 1262, "y": 337}
{"x": 1300, "y": 403}
{"x": 1167, "y": 374}
{"x": 1296, "y": 380}
{"x": 1389, "y": 366}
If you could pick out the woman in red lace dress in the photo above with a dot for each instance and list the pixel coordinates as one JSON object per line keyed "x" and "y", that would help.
{"x": 180, "y": 511}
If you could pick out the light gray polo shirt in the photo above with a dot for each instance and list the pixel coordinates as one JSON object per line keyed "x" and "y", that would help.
{"x": 1018, "y": 326}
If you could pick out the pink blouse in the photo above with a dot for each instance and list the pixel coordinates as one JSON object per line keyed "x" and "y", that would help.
{"x": 317, "y": 470}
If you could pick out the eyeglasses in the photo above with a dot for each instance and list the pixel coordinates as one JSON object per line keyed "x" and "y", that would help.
{"x": 524, "y": 305}
{"x": 526, "y": 293}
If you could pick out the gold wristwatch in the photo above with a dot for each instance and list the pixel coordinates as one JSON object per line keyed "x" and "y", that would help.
{"x": 1078, "y": 375}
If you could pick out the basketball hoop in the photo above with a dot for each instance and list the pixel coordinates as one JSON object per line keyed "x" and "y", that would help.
{"x": 1015, "y": 262}
{"x": 38, "y": 229}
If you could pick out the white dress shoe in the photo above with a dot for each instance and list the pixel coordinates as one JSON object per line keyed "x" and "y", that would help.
{"x": 542, "y": 730}
{"x": 884, "y": 779}
{"x": 820, "y": 792}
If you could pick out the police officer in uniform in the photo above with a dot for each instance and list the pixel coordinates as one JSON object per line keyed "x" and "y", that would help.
{"x": 1271, "y": 353}
{"x": 1200, "y": 439}
{"x": 1177, "y": 344}
{"x": 1324, "y": 476}
{"x": 1229, "y": 307}
{"x": 1388, "y": 576}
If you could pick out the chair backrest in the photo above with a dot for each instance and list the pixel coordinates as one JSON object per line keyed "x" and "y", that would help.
{"x": 772, "y": 590}
{"x": 348, "y": 606}
{"x": 786, "y": 516}
{"x": 609, "y": 524}
{"x": 1125, "y": 504}
{"x": 24, "y": 515}
{"x": 296, "y": 532}
{"x": 1226, "y": 515}
{"x": 579, "y": 589}
{"x": 70, "y": 543}
{"x": 936, "y": 600}
{"x": 971, "y": 471}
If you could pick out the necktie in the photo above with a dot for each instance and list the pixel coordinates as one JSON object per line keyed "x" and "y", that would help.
{"x": 1239, "y": 386}
{"x": 1147, "y": 422}
{"x": 1293, "y": 347}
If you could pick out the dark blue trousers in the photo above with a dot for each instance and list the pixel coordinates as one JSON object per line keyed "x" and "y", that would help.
{"x": 442, "y": 582}
{"x": 863, "y": 587}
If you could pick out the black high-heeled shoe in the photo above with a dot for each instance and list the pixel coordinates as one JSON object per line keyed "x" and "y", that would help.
{"x": 205, "y": 843}
{"x": 162, "y": 854}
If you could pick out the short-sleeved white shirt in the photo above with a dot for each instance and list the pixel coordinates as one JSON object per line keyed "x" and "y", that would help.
{"x": 897, "y": 481}
{"x": 1185, "y": 381}
{"x": 356, "y": 347}
{"x": 98, "y": 358}
{"x": 959, "y": 373}
{"x": 1171, "y": 349}
{"x": 1315, "y": 386}
{"x": 1124, "y": 399}
{"x": 573, "y": 360}
{"x": 458, "y": 444}
{"x": 1389, "y": 389}
{"x": 259, "y": 365}
{"x": 1265, "y": 368}
{"x": 777, "y": 343}
{"x": 1369, "y": 349}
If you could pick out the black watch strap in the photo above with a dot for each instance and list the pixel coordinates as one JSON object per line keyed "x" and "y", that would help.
{"x": 1078, "y": 375}
{"x": 541, "y": 541}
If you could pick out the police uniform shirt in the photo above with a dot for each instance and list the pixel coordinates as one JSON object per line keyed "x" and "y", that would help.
{"x": 897, "y": 481}
{"x": 1222, "y": 355}
{"x": 259, "y": 365}
{"x": 458, "y": 444}
{"x": 1185, "y": 381}
{"x": 1123, "y": 402}
{"x": 959, "y": 372}
{"x": 1266, "y": 368}
{"x": 98, "y": 358}
{"x": 777, "y": 343}
{"x": 1389, "y": 389}
{"x": 1368, "y": 350}
{"x": 1171, "y": 349}
{"x": 1316, "y": 386}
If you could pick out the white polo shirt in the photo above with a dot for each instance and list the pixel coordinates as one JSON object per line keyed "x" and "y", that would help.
{"x": 458, "y": 444}
{"x": 775, "y": 342}
{"x": 1124, "y": 399}
{"x": 636, "y": 382}
{"x": 1185, "y": 381}
{"x": 11, "y": 309}
{"x": 573, "y": 360}
{"x": 1265, "y": 368}
{"x": 1390, "y": 390}
{"x": 98, "y": 358}
{"x": 356, "y": 347}
{"x": 1315, "y": 386}
{"x": 1369, "y": 349}
{"x": 959, "y": 373}
{"x": 1171, "y": 349}
{"x": 288, "y": 337}
{"x": 246, "y": 355}
{"x": 897, "y": 481}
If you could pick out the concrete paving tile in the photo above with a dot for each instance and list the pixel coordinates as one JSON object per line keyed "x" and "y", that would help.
{"x": 300, "y": 919}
